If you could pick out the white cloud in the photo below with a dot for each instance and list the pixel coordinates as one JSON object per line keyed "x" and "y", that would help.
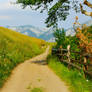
{"x": 7, "y": 5}
{"x": 4, "y": 5}
{"x": 5, "y": 17}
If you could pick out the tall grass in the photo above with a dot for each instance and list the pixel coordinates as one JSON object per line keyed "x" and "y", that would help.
{"x": 73, "y": 78}
{"x": 14, "y": 49}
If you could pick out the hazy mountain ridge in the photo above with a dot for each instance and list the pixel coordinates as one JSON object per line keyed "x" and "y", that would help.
{"x": 88, "y": 23}
{"x": 70, "y": 31}
{"x": 17, "y": 48}
{"x": 45, "y": 33}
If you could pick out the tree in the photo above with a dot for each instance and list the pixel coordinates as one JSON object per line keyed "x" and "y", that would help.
{"x": 84, "y": 11}
{"x": 60, "y": 38}
{"x": 57, "y": 11}
{"x": 84, "y": 34}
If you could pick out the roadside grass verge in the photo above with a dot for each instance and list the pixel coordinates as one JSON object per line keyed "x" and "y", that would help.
{"x": 16, "y": 48}
{"x": 73, "y": 78}
{"x": 36, "y": 90}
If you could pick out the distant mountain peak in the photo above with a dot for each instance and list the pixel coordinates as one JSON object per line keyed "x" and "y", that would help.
{"x": 45, "y": 33}
{"x": 42, "y": 33}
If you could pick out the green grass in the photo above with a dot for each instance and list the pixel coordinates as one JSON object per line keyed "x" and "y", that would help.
{"x": 14, "y": 49}
{"x": 73, "y": 78}
{"x": 36, "y": 90}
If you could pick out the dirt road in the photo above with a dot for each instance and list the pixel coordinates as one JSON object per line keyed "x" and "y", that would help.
{"x": 34, "y": 73}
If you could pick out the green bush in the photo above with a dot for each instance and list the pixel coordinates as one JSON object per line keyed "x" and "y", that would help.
{"x": 60, "y": 38}
{"x": 63, "y": 40}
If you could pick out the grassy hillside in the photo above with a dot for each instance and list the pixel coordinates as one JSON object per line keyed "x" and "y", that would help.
{"x": 14, "y": 49}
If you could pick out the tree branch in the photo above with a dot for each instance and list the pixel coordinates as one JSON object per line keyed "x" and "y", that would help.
{"x": 87, "y": 3}
{"x": 85, "y": 12}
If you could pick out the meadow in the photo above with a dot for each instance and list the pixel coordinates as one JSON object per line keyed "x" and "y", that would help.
{"x": 15, "y": 48}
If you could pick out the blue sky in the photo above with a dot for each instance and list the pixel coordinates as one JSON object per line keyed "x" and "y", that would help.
{"x": 14, "y": 15}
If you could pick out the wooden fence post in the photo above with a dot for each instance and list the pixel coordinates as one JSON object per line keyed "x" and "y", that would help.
{"x": 61, "y": 57}
{"x": 85, "y": 66}
{"x": 68, "y": 55}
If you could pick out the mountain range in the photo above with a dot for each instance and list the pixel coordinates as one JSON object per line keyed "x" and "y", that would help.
{"x": 45, "y": 33}
{"x": 42, "y": 33}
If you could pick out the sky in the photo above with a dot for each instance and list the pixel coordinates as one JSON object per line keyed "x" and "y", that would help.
{"x": 14, "y": 15}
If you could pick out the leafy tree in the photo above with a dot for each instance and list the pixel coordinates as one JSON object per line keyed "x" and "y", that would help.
{"x": 60, "y": 37}
{"x": 57, "y": 11}
{"x": 84, "y": 35}
{"x": 63, "y": 40}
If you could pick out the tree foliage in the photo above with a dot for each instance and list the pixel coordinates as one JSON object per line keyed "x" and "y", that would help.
{"x": 60, "y": 37}
{"x": 63, "y": 40}
{"x": 57, "y": 10}
{"x": 84, "y": 34}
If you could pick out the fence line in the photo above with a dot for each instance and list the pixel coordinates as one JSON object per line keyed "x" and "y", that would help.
{"x": 76, "y": 63}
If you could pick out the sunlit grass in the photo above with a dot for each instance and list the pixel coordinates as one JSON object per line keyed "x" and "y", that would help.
{"x": 73, "y": 78}
{"x": 14, "y": 49}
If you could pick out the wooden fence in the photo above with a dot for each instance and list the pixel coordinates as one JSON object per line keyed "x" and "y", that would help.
{"x": 79, "y": 61}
